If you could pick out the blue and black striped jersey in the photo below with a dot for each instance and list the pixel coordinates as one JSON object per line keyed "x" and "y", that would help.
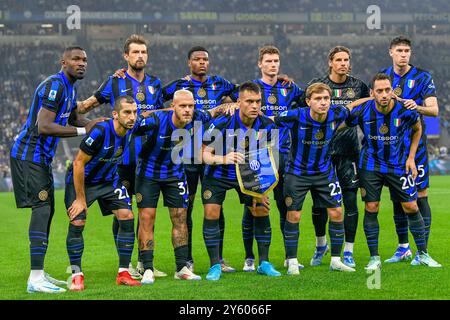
{"x": 309, "y": 153}
{"x": 345, "y": 142}
{"x": 275, "y": 100}
{"x": 416, "y": 84}
{"x": 162, "y": 153}
{"x": 228, "y": 134}
{"x": 148, "y": 96}
{"x": 106, "y": 149}
{"x": 384, "y": 147}
{"x": 207, "y": 95}
{"x": 58, "y": 95}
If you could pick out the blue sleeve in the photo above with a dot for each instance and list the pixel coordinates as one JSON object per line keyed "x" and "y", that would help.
{"x": 228, "y": 87}
{"x": 297, "y": 96}
{"x": 169, "y": 90}
{"x": 428, "y": 88}
{"x": 215, "y": 130}
{"x": 147, "y": 124}
{"x": 287, "y": 118}
{"x": 52, "y": 96}
{"x": 93, "y": 141}
{"x": 202, "y": 115}
{"x": 353, "y": 116}
{"x": 104, "y": 92}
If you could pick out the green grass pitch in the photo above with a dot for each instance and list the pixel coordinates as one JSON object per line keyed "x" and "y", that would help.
{"x": 100, "y": 261}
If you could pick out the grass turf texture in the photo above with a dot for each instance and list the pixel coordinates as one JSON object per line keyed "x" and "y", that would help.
{"x": 100, "y": 261}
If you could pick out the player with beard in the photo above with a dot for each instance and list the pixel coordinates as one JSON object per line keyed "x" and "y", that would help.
{"x": 416, "y": 89}
{"x": 146, "y": 90}
{"x": 52, "y": 108}
{"x": 344, "y": 150}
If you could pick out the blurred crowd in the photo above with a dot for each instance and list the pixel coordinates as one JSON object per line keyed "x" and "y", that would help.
{"x": 24, "y": 67}
{"x": 251, "y": 6}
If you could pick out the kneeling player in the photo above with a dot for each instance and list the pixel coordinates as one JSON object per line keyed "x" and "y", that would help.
{"x": 310, "y": 169}
{"x": 94, "y": 177}
{"x": 220, "y": 176}
{"x": 160, "y": 169}
{"x": 385, "y": 159}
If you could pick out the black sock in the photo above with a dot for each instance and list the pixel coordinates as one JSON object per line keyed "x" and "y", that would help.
{"x": 282, "y": 209}
{"x": 181, "y": 254}
{"x": 350, "y": 214}
{"x": 263, "y": 236}
{"x": 247, "y": 233}
{"x": 146, "y": 256}
{"x": 336, "y": 232}
{"x": 189, "y": 227}
{"x": 115, "y": 231}
{"x": 425, "y": 211}
{"x": 401, "y": 223}
{"x": 222, "y": 233}
{"x": 38, "y": 235}
{"x": 372, "y": 230}
{"x": 125, "y": 242}
{"x": 320, "y": 218}
{"x": 417, "y": 228}
{"x": 292, "y": 234}
{"x": 211, "y": 236}
{"x": 75, "y": 247}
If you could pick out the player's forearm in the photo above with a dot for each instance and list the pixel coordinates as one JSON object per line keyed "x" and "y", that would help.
{"x": 212, "y": 159}
{"x": 78, "y": 180}
{"x": 428, "y": 111}
{"x": 415, "y": 138}
{"x": 54, "y": 129}
{"x": 87, "y": 105}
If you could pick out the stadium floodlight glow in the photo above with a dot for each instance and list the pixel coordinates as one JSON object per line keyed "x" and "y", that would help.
{"x": 47, "y": 25}
{"x": 2, "y": 25}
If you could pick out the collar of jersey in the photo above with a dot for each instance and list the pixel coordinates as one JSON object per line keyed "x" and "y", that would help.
{"x": 396, "y": 75}
{"x": 135, "y": 80}
{"x": 65, "y": 80}
{"x": 308, "y": 114}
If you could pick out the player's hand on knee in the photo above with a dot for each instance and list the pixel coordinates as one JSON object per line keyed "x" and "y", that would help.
{"x": 77, "y": 207}
{"x": 411, "y": 167}
{"x": 120, "y": 73}
{"x": 264, "y": 204}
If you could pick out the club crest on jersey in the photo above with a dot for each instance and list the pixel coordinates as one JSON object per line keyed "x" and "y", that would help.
{"x": 319, "y": 135}
{"x": 201, "y": 92}
{"x": 350, "y": 93}
{"x": 397, "y": 122}
{"x": 398, "y": 91}
{"x": 151, "y": 89}
{"x": 207, "y": 194}
{"x": 283, "y": 92}
{"x": 272, "y": 99}
{"x": 140, "y": 96}
{"x": 384, "y": 129}
{"x": 138, "y": 197}
{"x": 411, "y": 83}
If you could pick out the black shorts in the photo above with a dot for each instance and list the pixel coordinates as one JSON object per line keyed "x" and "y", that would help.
{"x": 401, "y": 187}
{"x": 194, "y": 174}
{"x": 346, "y": 169}
{"x": 127, "y": 175}
{"x": 32, "y": 182}
{"x": 278, "y": 190}
{"x": 110, "y": 196}
{"x": 325, "y": 190}
{"x": 175, "y": 192}
{"x": 214, "y": 191}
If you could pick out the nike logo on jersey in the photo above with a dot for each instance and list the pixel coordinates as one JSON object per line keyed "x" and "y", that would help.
{"x": 412, "y": 194}
{"x": 123, "y": 91}
{"x": 164, "y": 137}
{"x": 355, "y": 181}
{"x": 369, "y": 122}
{"x": 303, "y": 128}
{"x": 107, "y": 148}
